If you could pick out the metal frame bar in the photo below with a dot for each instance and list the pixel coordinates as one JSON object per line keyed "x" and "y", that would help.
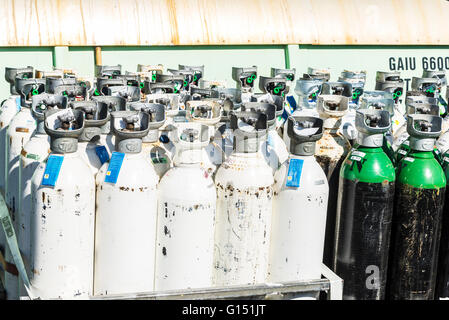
{"x": 332, "y": 284}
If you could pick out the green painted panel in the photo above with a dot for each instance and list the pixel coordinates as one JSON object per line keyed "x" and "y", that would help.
{"x": 218, "y": 60}
{"x": 40, "y": 58}
{"x": 82, "y": 59}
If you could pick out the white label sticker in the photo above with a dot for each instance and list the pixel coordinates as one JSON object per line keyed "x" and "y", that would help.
{"x": 402, "y": 151}
{"x": 356, "y": 158}
{"x": 359, "y": 154}
{"x": 409, "y": 159}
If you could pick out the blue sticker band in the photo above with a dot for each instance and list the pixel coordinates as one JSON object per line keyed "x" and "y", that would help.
{"x": 18, "y": 105}
{"x": 52, "y": 169}
{"x": 102, "y": 154}
{"x": 114, "y": 167}
{"x": 270, "y": 140}
{"x": 294, "y": 172}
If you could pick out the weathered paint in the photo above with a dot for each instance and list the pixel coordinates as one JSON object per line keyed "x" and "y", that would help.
{"x": 33, "y": 153}
{"x": 243, "y": 222}
{"x": 416, "y": 228}
{"x": 415, "y": 242}
{"x": 8, "y": 110}
{"x": 185, "y": 235}
{"x": 19, "y": 132}
{"x": 331, "y": 150}
{"x": 186, "y": 215}
{"x": 200, "y": 22}
{"x": 364, "y": 215}
{"x": 442, "y": 284}
{"x": 298, "y": 224}
{"x": 125, "y": 234}
{"x": 62, "y": 232}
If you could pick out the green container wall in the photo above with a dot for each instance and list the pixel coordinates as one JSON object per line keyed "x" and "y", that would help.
{"x": 218, "y": 60}
{"x": 371, "y": 59}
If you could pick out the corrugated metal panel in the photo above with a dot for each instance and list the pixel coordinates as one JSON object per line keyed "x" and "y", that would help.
{"x": 206, "y": 22}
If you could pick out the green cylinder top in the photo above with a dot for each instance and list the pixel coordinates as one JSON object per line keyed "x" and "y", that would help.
{"x": 369, "y": 165}
{"x": 421, "y": 170}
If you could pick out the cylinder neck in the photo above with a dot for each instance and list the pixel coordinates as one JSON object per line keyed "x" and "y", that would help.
{"x": 89, "y": 133}
{"x": 63, "y": 145}
{"x": 271, "y": 126}
{"x": 189, "y": 156}
{"x": 370, "y": 140}
{"x": 331, "y": 122}
{"x": 132, "y": 145}
{"x": 40, "y": 127}
{"x": 248, "y": 144}
{"x": 302, "y": 149}
{"x": 421, "y": 154}
{"x": 420, "y": 144}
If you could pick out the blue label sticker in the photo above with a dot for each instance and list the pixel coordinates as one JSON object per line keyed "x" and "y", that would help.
{"x": 114, "y": 167}
{"x": 292, "y": 105}
{"x": 18, "y": 105}
{"x": 294, "y": 172}
{"x": 52, "y": 169}
{"x": 291, "y": 100}
{"x": 270, "y": 140}
{"x": 102, "y": 154}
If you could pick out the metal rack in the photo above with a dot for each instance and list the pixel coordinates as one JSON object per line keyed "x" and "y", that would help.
{"x": 330, "y": 283}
